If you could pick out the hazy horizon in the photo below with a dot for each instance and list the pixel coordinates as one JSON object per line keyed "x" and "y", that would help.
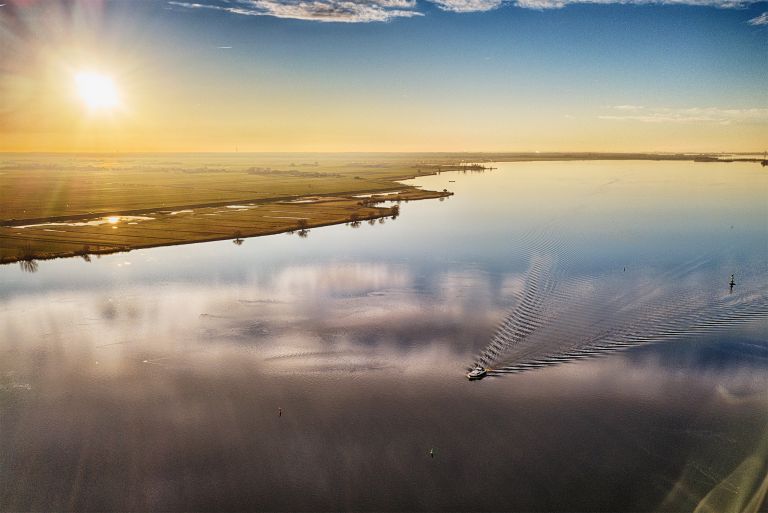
{"x": 499, "y": 153}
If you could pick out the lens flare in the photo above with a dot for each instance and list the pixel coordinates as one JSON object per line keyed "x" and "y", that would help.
{"x": 97, "y": 91}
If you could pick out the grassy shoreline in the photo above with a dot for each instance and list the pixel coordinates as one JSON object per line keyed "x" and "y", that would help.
{"x": 327, "y": 210}
{"x": 112, "y": 250}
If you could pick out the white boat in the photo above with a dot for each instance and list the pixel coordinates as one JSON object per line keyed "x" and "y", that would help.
{"x": 477, "y": 373}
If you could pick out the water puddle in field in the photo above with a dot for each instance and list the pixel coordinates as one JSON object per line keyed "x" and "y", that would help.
{"x": 304, "y": 200}
{"x": 113, "y": 220}
{"x": 384, "y": 193}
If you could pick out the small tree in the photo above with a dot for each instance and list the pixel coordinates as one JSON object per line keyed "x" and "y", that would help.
{"x": 85, "y": 253}
{"x": 29, "y": 266}
{"x": 27, "y": 259}
{"x": 26, "y": 252}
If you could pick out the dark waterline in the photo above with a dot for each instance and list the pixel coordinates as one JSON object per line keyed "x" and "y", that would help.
{"x": 153, "y": 379}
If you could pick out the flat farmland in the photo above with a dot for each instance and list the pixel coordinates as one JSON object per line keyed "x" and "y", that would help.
{"x": 56, "y": 206}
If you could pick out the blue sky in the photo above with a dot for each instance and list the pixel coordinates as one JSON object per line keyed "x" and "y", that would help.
{"x": 395, "y": 74}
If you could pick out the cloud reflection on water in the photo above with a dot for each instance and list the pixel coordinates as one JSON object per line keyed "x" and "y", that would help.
{"x": 175, "y": 429}
{"x": 157, "y": 385}
{"x": 174, "y": 391}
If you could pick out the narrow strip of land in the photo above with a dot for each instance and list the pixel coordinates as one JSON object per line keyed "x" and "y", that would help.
{"x": 60, "y": 206}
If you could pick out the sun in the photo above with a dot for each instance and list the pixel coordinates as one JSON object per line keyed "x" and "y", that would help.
{"x": 97, "y": 91}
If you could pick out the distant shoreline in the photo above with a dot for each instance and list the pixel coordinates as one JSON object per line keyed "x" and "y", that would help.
{"x": 574, "y": 154}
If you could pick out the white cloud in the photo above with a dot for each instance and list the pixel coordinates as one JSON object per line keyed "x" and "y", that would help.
{"x": 759, "y": 20}
{"x": 467, "y": 5}
{"x": 362, "y": 11}
{"x": 559, "y": 4}
{"x": 685, "y": 115}
{"x": 345, "y": 11}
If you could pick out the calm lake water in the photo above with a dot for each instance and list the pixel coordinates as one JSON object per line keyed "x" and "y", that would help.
{"x": 154, "y": 379}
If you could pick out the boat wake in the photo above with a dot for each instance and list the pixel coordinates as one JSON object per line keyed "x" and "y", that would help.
{"x": 563, "y": 316}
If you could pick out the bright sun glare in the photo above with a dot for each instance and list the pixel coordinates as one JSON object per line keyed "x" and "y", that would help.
{"x": 96, "y": 90}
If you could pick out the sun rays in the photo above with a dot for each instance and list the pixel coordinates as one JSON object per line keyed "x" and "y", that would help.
{"x": 97, "y": 91}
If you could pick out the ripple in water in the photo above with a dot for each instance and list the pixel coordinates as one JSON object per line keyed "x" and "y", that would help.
{"x": 562, "y": 316}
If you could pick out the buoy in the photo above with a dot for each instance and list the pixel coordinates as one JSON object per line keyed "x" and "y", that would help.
{"x": 279, "y": 412}
{"x": 432, "y": 453}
